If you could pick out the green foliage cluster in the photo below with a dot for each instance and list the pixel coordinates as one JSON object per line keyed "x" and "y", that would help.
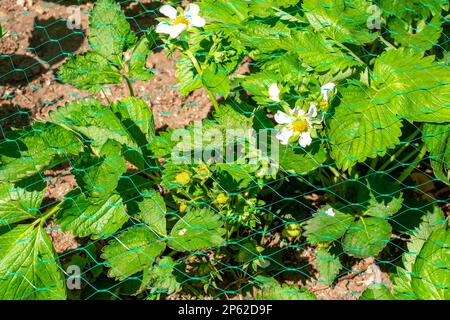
{"x": 152, "y": 226}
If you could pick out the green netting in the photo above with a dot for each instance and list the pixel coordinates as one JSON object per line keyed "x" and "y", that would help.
{"x": 224, "y": 149}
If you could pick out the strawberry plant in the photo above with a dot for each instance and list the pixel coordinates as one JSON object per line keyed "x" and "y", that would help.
{"x": 332, "y": 119}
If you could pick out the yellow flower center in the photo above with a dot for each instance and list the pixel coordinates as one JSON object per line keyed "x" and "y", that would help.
{"x": 300, "y": 124}
{"x": 180, "y": 20}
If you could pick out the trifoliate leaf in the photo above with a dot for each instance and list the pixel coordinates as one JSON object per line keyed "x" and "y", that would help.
{"x": 110, "y": 33}
{"x": 367, "y": 237}
{"x": 265, "y": 9}
{"x": 437, "y": 141}
{"x": 198, "y": 229}
{"x": 38, "y": 147}
{"x": 152, "y": 211}
{"x": 165, "y": 276}
{"x": 272, "y": 290}
{"x": 361, "y": 129}
{"x": 328, "y": 266}
{"x": 412, "y": 86}
{"x": 83, "y": 217}
{"x": 132, "y": 251}
{"x": 89, "y": 71}
{"x": 19, "y": 203}
{"x": 325, "y": 228}
{"x": 29, "y": 268}
{"x": 340, "y": 20}
{"x": 137, "y": 67}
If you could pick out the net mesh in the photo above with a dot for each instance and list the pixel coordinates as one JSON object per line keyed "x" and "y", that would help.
{"x": 96, "y": 206}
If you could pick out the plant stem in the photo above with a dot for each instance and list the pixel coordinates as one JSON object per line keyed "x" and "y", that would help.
{"x": 130, "y": 87}
{"x": 408, "y": 140}
{"x": 48, "y": 214}
{"x": 200, "y": 73}
{"x": 413, "y": 165}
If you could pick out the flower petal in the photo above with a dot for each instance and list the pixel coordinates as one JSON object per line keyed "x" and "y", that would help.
{"x": 192, "y": 10}
{"x": 312, "y": 112}
{"x": 305, "y": 139}
{"x": 284, "y": 135}
{"x": 168, "y": 11}
{"x": 326, "y": 90}
{"x": 197, "y": 21}
{"x": 283, "y": 118}
{"x": 297, "y": 111}
{"x": 163, "y": 27}
{"x": 274, "y": 92}
{"x": 177, "y": 29}
{"x": 330, "y": 212}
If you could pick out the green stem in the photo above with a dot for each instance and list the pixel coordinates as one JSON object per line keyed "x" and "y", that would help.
{"x": 413, "y": 165}
{"x": 408, "y": 140}
{"x": 200, "y": 73}
{"x": 130, "y": 87}
{"x": 48, "y": 214}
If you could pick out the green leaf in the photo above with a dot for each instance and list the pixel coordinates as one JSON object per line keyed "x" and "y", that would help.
{"x": 272, "y": 290}
{"x": 412, "y": 86}
{"x": 223, "y": 11}
{"x": 328, "y": 266}
{"x": 300, "y": 161}
{"x": 18, "y": 204}
{"x": 39, "y": 147}
{"x": 101, "y": 177}
{"x": 421, "y": 36}
{"x": 187, "y": 75}
{"x": 434, "y": 220}
{"x": 133, "y": 251}
{"x": 29, "y": 268}
{"x": 323, "y": 228}
{"x": 89, "y": 71}
{"x": 431, "y": 276}
{"x": 137, "y": 67}
{"x": 319, "y": 53}
{"x": 198, "y": 229}
{"x": 216, "y": 80}
{"x": 340, "y": 20}
{"x": 437, "y": 141}
{"x": 110, "y": 33}
{"x": 84, "y": 218}
{"x": 265, "y": 9}
{"x": 137, "y": 117}
{"x": 153, "y": 211}
{"x": 377, "y": 292}
{"x": 367, "y": 237}
{"x": 385, "y": 196}
{"x": 361, "y": 129}
{"x": 162, "y": 277}
{"x": 94, "y": 120}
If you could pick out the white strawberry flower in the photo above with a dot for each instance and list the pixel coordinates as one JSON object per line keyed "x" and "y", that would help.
{"x": 274, "y": 92}
{"x": 179, "y": 23}
{"x": 296, "y": 125}
{"x": 327, "y": 90}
